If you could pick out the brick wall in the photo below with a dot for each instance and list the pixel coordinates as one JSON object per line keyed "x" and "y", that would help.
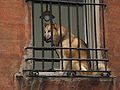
{"x": 15, "y": 26}
{"x": 113, "y": 36}
{"x": 112, "y": 33}
{"x": 14, "y": 36}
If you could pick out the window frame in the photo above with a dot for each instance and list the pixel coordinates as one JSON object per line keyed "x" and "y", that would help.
{"x": 35, "y": 48}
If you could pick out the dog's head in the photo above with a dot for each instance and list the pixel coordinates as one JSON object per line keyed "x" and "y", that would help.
{"x": 54, "y": 31}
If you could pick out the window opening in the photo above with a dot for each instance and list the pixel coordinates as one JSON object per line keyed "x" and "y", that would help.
{"x": 79, "y": 41}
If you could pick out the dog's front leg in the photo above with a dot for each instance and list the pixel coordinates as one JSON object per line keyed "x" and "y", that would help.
{"x": 64, "y": 65}
{"x": 58, "y": 52}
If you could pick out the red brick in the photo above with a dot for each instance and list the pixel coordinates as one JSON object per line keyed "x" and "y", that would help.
{"x": 15, "y": 26}
{"x": 15, "y": 29}
{"x": 113, "y": 32}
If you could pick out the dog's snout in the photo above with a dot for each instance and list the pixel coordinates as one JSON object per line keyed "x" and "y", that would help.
{"x": 44, "y": 38}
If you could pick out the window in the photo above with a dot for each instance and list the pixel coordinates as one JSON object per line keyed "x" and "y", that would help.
{"x": 83, "y": 19}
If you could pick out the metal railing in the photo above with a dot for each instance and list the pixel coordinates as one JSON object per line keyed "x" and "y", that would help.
{"x": 53, "y": 48}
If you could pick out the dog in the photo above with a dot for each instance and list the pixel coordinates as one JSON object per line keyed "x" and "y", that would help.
{"x": 62, "y": 37}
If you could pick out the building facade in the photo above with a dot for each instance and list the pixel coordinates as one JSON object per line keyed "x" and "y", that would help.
{"x": 15, "y": 35}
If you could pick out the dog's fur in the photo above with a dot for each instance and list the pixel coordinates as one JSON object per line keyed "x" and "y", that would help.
{"x": 64, "y": 39}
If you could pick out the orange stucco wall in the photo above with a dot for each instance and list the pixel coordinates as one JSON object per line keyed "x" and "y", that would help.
{"x": 14, "y": 36}
{"x": 113, "y": 34}
{"x": 15, "y": 30}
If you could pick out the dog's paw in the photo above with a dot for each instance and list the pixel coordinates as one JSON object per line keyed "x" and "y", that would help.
{"x": 105, "y": 74}
{"x": 71, "y": 73}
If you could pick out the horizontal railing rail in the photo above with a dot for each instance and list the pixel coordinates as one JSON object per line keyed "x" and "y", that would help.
{"x": 72, "y": 2}
{"x": 54, "y": 48}
{"x": 59, "y": 59}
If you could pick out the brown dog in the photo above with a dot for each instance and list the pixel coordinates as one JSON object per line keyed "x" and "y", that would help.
{"x": 64, "y": 39}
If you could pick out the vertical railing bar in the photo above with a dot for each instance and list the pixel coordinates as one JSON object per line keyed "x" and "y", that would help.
{"x": 86, "y": 15}
{"x": 104, "y": 42}
{"x": 42, "y": 35}
{"x": 87, "y": 33}
{"x": 86, "y": 23}
{"x": 33, "y": 33}
{"x": 92, "y": 29}
{"x": 52, "y": 44}
{"x": 69, "y": 34}
{"x": 96, "y": 55}
{"x": 106, "y": 63}
{"x": 78, "y": 33}
{"x": 60, "y": 34}
{"x": 103, "y": 25}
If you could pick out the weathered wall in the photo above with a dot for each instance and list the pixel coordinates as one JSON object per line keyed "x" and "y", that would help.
{"x": 14, "y": 36}
{"x": 113, "y": 36}
{"x": 112, "y": 33}
{"x": 15, "y": 26}
{"x": 54, "y": 83}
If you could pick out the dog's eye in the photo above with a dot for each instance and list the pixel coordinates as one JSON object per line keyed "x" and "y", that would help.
{"x": 48, "y": 30}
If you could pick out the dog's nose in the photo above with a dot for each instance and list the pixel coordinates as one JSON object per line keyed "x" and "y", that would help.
{"x": 44, "y": 38}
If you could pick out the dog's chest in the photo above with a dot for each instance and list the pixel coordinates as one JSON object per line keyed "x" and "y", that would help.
{"x": 65, "y": 44}
{"x": 59, "y": 53}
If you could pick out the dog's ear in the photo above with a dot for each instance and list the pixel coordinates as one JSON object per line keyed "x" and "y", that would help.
{"x": 55, "y": 26}
{"x": 45, "y": 24}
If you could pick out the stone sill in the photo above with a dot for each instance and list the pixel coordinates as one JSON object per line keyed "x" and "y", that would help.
{"x": 65, "y": 83}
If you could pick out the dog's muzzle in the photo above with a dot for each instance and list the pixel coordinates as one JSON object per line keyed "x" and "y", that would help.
{"x": 47, "y": 40}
